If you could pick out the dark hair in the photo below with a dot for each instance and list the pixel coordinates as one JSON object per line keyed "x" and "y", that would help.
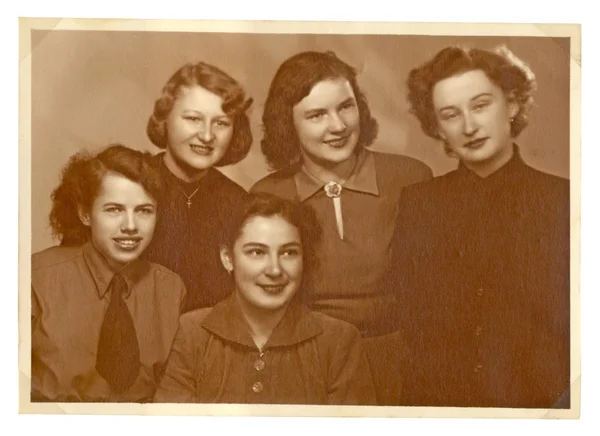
{"x": 268, "y": 205}
{"x": 80, "y": 183}
{"x": 501, "y": 66}
{"x": 293, "y": 81}
{"x": 218, "y": 82}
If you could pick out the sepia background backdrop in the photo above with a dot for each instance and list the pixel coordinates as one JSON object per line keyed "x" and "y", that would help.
{"x": 90, "y": 88}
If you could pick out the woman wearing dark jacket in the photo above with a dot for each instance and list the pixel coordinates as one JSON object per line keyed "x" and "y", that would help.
{"x": 482, "y": 253}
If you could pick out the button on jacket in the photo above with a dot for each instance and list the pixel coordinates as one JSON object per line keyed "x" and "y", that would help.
{"x": 482, "y": 268}
{"x": 309, "y": 359}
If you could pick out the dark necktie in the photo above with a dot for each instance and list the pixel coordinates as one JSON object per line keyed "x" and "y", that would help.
{"x": 118, "y": 358}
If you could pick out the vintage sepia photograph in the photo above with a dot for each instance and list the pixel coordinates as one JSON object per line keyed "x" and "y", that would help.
{"x": 299, "y": 219}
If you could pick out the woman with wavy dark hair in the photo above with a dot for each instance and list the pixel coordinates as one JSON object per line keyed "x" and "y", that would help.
{"x": 102, "y": 320}
{"x": 317, "y": 125}
{"x": 200, "y": 120}
{"x": 483, "y": 251}
{"x": 262, "y": 345}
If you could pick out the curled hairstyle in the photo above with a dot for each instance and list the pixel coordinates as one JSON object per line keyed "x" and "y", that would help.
{"x": 501, "y": 66}
{"x": 300, "y": 216}
{"x": 293, "y": 81}
{"x": 218, "y": 82}
{"x": 80, "y": 184}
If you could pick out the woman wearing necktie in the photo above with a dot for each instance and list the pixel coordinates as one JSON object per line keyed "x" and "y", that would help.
{"x": 483, "y": 251}
{"x": 317, "y": 125}
{"x": 102, "y": 320}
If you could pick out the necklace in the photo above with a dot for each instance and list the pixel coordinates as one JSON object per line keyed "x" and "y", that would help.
{"x": 189, "y": 197}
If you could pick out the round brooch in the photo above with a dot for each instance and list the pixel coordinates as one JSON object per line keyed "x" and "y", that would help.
{"x": 333, "y": 189}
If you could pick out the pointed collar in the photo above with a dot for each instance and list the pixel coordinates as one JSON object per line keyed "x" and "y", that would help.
{"x": 102, "y": 274}
{"x": 226, "y": 320}
{"x": 362, "y": 179}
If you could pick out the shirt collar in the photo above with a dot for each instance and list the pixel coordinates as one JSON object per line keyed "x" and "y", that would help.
{"x": 227, "y": 321}
{"x": 362, "y": 179}
{"x": 102, "y": 274}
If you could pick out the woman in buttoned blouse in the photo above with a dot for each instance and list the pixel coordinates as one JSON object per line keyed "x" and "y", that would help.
{"x": 261, "y": 345}
{"x": 483, "y": 251}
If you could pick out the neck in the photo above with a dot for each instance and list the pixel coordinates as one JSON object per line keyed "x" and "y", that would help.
{"x": 261, "y": 323}
{"x": 184, "y": 173}
{"x": 489, "y": 167}
{"x": 338, "y": 172}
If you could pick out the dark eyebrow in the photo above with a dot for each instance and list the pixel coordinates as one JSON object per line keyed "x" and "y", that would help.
{"x": 348, "y": 100}
{"x": 112, "y": 203}
{"x": 315, "y": 111}
{"x": 145, "y": 205}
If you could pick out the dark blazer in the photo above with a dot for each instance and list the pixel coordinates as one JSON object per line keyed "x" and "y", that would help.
{"x": 482, "y": 273}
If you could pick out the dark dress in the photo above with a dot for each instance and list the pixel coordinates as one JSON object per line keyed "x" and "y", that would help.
{"x": 186, "y": 240}
{"x": 482, "y": 267}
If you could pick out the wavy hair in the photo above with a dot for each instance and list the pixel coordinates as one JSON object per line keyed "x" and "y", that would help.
{"x": 501, "y": 66}
{"x": 80, "y": 184}
{"x": 218, "y": 82}
{"x": 293, "y": 81}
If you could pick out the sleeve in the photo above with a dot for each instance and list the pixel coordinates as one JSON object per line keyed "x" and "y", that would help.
{"x": 36, "y": 312}
{"x": 178, "y": 384}
{"x": 349, "y": 377}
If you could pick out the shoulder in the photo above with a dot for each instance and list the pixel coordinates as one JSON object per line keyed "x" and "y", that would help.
{"x": 279, "y": 183}
{"x": 335, "y": 330}
{"x": 164, "y": 275}
{"x": 403, "y": 169}
{"x": 54, "y": 257}
{"x": 225, "y": 183}
{"x": 191, "y": 323}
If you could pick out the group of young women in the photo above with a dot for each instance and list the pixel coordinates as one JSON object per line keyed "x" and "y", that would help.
{"x": 346, "y": 276}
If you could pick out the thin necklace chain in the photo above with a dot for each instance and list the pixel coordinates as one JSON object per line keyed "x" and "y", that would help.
{"x": 189, "y": 197}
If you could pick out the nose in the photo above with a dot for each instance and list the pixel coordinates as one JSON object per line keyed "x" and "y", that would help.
{"x": 129, "y": 223}
{"x": 336, "y": 123}
{"x": 205, "y": 134}
{"x": 470, "y": 125}
{"x": 273, "y": 268}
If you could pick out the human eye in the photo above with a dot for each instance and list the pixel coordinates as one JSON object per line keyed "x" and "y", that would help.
{"x": 146, "y": 210}
{"x": 449, "y": 115}
{"x": 192, "y": 118}
{"x": 481, "y": 105}
{"x": 350, "y": 104}
{"x": 315, "y": 116}
{"x": 255, "y": 252}
{"x": 113, "y": 209}
{"x": 223, "y": 123}
{"x": 292, "y": 252}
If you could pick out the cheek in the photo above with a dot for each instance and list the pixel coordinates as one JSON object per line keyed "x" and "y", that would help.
{"x": 224, "y": 137}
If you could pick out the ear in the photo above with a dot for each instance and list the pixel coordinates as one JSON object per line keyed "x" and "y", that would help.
{"x": 84, "y": 216}
{"x": 513, "y": 108}
{"x": 226, "y": 258}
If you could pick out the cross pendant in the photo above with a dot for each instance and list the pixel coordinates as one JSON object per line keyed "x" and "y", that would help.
{"x": 189, "y": 203}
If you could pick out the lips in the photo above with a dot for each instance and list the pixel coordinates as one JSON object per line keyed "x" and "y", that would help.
{"x": 273, "y": 289}
{"x": 203, "y": 150}
{"x": 337, "y": 142}
{"x": 130, "y": 243}
{"x": 476, "y": 143}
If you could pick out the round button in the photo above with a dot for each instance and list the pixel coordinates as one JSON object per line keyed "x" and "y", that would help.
{"x": 259, "y": 364}
{"x": 257, "y": 387}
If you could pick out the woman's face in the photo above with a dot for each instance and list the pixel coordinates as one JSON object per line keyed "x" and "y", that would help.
{"x": 327, "y": 122}
{"x": 198, "y": 132}
{"x": 122, "y": 220}
{"x": 267, "y": 263}
{"x": 473, "y": 117}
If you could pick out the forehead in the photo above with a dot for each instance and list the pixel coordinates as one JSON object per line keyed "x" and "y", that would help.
{"x": 462, "y": 87}
{"x": 326, "y": 93}
{"x": 272, "y": 230}
{"x": 116, "y": 188}
{"x": 198, "y": 98}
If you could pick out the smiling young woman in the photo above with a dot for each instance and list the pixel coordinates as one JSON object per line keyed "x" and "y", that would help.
{"x": 92, "y": 295}
{"x": 261, "y": 345}
{"x": 200, "y": 121}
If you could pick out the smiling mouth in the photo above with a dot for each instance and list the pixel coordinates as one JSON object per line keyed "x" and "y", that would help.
{"x": 476, "y": 143}
{"x": 202, "y": 150}
{"x": 273, "y": 289}
{"x": 337, "y": 142}
{"x": 127, "y": 243}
